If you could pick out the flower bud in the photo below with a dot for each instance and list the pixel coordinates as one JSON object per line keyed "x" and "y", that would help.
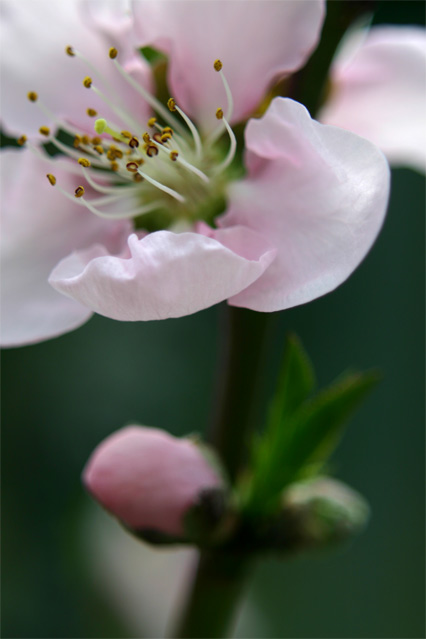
{"x": 148, "y": 478}
{"x": 315, "y": 514}
{"x": 325, "y": 511}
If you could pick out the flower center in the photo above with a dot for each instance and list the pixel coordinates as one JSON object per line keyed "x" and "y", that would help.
{"x": 163, "y": 176}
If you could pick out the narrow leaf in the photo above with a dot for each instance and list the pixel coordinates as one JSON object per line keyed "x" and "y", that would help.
{"x": 318, "y": 425}
{"x": 307, "y": 438}
{"x": 296, "y": 381}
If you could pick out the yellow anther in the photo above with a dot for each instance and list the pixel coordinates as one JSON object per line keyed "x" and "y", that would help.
{"x": 113, "y": 153}
{"x": 91, "y": 113}
{"x": 127, "y": 134}
{"x": 157, "y": 137}
{"x": 132, "y": 167}
{"x": 84, "y": 162}
{"x": 137, "y": 177}
{"x": 114, "y": 166}
{"x": 44, "y": 130}
{"x": 87, "y": 82}
{"x": 85, "y": 140}
{"x": 79, "y": 192}
{"x": 165, "y": 137}
{"x": 139, "y": 161}
{"x": 133, "y": 143}
{"x": 21, "y": 141}
{"x": 96, "y": 140}
{"x": 171, "y": 103}
{"x": 174, "y": 155}
{"x": 219, "y": 114}
{"x": 151, "y": 150}
{"x": 100, "y": 125}
{"x": 168, "y": 129}
{"x": 146, "y": 138}
{"x": 113, "y": 53}
{"x": 217, "y": 65}
{"x": 99, "y": 149}
{"x": 51, "y": 179}
{"x": 32, "y": 96}
{"x": 70, "y": 51}
{"x": 151, "y": 123}
{"x": 77, "y": 141}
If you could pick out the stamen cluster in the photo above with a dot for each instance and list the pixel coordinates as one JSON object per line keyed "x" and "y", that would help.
{"x": 168, "y": 167}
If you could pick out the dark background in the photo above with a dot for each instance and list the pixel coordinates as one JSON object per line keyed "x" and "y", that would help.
{"x": 60, "y": 398}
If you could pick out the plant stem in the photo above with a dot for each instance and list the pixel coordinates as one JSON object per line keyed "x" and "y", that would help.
{"x": 244, "y": 337}
{"x": 215, "y": 592}
{"x": 221, "y": 574}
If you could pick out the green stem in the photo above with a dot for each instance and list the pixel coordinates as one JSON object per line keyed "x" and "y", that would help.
{"x": 221, "y": 574}
{"x": 236, "y": 408}
{"x": 215, "y": 592}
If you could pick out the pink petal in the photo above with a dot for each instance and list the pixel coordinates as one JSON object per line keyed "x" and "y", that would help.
{"x": 39, "y": 227}
{"x": 147, "y": 478}
{"x": 164, "y": 274}
{"x": 113, "y": 19}
{"x": 379, "y": 92}
{"x": 34, "y": 36}
{"x": 318, "y": 193}
{"x": 257, "y": 41}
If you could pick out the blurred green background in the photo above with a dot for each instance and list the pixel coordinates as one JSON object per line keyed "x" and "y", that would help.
{"x": 60, "y": 398}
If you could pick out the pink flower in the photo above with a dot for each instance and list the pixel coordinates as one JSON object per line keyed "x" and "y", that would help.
{"x": 149, "y": 479}
{"x": 379, "y": 91}
{"x": 293, "y": 229}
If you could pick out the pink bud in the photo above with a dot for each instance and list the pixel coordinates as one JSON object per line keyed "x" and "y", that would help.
{"x": 148, "y": 478}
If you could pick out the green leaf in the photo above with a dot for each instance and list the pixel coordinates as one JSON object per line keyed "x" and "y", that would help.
{"x": 296, "y": 382}
{"x": 316, "y": 428}
{"x": 301, "y": 433}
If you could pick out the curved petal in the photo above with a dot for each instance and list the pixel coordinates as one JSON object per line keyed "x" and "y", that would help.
{"x": 379, "y": 92}
{"x": 256, "y": 41}
{"x": 164, "y": 274}
{"x": 39, "y": 227}
{"x": 318, "y": 193}
{"x": 33, "y": 40}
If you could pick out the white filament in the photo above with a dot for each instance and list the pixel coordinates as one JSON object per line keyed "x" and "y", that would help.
{"x": 126, "y": 117}
{"x": 162, "y": 187}
{"x": 231, "y": 153}
{"x": 152, "y": 101}
{"x": 105, "y": 189}
{"x": 194, "y": 131}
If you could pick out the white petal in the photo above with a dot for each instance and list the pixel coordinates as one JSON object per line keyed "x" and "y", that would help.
{"x": 256, "y": 42}
{"x": 33, "y": 36}
{"x": 164, "y": 274}
{"x": 379, "y": 92}
{"x": 39, "y": 227}
{"x": 317, "y": 193}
